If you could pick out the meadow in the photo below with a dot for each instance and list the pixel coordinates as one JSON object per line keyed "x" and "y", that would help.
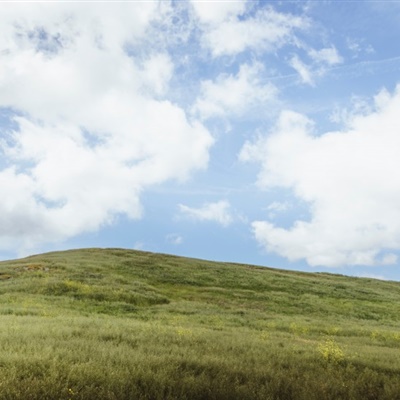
{"x": 124, "y": 324}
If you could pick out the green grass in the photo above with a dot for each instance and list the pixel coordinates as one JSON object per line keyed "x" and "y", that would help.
{"x": 122, "y": 324}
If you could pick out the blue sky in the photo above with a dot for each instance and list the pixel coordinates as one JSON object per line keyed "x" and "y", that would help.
{"x": 261, "y": 132}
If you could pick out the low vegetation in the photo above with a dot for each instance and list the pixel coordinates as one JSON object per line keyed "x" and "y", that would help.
{"x": 122, "y": 324}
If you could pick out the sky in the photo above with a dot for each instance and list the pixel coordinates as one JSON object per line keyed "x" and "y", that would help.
{"x": 257, "y": 132}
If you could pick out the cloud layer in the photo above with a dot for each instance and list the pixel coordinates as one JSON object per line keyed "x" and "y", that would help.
{"x": 92, "y": 124}
{"x": 92, "y": 131}
{"x": 103, "y": 106}
{"x": 349, "y": 178}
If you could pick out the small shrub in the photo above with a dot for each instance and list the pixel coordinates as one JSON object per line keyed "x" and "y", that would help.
{"x": 331, "y": 352}
{"x": 298, "y": 329}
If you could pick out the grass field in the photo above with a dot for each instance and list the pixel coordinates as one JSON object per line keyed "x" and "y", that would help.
{"x": 123, "y": 324}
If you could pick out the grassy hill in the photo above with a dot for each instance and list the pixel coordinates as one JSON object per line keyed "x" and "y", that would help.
{"x": 123, "y": 324}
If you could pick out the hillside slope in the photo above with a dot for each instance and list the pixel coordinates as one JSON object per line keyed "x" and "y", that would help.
{"x": 124, "y": 324}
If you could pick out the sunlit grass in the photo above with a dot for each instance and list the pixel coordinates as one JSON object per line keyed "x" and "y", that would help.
{"x": 119, "y": 324}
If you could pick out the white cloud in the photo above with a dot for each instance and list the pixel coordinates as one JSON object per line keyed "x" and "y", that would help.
{"x": 350, "y": 180}
{"x": 328, "y": 55}
{"x": 357, "y": 47}
{"x": 234, "y": 94}
{"x": 267, "y": 30}
{"x": 217, "y": 212}
{"x": 321, "y": 60}
{"x": 277, "y": 207}
{"x": 302, "y": 69}
{"x": 94, "y": 131}
{"x": 218, "y": 11}
{"x": 174, "y": 238}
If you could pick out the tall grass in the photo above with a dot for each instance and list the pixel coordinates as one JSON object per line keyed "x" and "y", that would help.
{"x": 118, "y": 324}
